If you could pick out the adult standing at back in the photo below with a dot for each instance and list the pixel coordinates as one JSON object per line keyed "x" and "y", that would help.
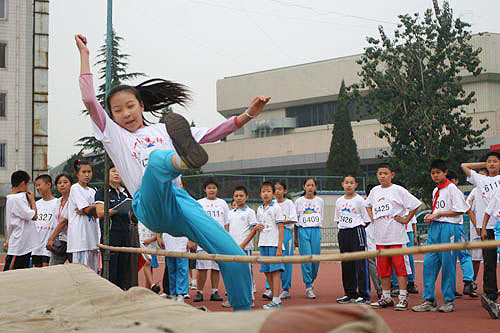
{"x": 119, "y": 231}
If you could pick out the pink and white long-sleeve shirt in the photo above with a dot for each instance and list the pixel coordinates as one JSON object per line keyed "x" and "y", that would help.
{"x": 130, "y": 151}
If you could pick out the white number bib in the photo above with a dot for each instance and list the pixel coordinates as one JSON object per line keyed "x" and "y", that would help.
{"x": 381, "y": 208}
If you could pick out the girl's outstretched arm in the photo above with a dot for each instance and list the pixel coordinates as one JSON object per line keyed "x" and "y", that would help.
{"x": 234, "y": 123}
{"x": 96, "y": 112}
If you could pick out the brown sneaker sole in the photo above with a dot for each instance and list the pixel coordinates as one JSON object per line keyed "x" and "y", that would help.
{"x": 191, "y": 152}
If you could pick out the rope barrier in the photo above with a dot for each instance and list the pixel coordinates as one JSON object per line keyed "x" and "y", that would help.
{"x": 347, "y": 256}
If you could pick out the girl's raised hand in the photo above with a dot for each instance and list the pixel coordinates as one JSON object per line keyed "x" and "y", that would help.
{"x": 257, "y": 105}
{"x": 81, "y": 43}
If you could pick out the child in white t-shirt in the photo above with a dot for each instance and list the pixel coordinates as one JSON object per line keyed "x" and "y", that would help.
{"x": 290, "y": 212}
{"x": 63, "y": 185}
{"x": 387, "y": 204}
{"x": 448, "y": 206}
{"x": 151, "y": 156}
{"x": 270, "y": 221}
{"x": 83, "y": 227}
{"x": 464, "y": 256}
{"x": 486, "y": 188}
{"x": 475, "y": 232}
{"x": 351, "y": 216}
{"x": 370, "y": 245}
{"x": 20, "y": 214}
{"x": 310, "y": 212}
{"x": 46, "y": 220}
{"x": 219, "y": 211}
{"x": 242, "y": 222}
{"x": 177, "y": 267}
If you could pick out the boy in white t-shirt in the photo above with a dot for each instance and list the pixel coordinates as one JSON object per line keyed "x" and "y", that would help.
{"x": 475, "y": 233}
{"x": 270, "y": 220}
{"x": 218, "y": 210}
{"x": 351, "y": 216}
{"x": 370, "y": 246}
{"x": 486, "y": 188}
{"x": 448, "y": 206}
{"x": 464, "y": 256}
{"x": 387, "y": 204}
{"x": 46, "y": 220}
{"x": 20, "y": 214}
{"x": 242, "y": 222}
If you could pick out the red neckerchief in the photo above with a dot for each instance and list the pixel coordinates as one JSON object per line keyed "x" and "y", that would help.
{"x": 440, "y": 186}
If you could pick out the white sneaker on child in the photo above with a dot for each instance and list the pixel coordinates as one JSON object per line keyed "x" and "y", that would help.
{"x": 285, "y": 294}
{"x": 180, "y": 298}
{"x": 310, "y": 293}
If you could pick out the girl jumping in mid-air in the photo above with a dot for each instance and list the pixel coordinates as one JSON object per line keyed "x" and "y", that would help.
{"x": 150, "y": 158}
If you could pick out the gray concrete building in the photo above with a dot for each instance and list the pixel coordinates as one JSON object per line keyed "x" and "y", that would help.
{"x": 24, "y": 31}
{"x": 293, "y": 134}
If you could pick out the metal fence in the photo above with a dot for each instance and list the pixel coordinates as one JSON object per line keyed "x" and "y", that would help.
{"x": 227, "y": 183}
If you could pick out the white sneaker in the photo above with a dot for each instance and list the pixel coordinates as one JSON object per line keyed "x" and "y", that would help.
{"x": 285, "y": 294}
{"x": 193, "y": 286}
{"x": 163, "y": 295}
{"x": 180, "y": 298}
{"x": 310, "y": 293}
{"x": 268, "y": 294}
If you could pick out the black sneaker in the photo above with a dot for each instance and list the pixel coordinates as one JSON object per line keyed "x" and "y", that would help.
{"x": 345, "y": 300}
{"x": 457, "y": 294}
{"x": 156, "y": 288}
{"x": 179, "y": 130}
{"x": 412, "y": 288}
{"x": 469, "y": 289}
{"x": 198, "y": 297}
{"x": 216, "y": 297}
{"x": 490, "y": 306}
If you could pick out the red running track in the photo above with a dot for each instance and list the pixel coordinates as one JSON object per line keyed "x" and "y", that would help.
{"x": 469, "y": 316}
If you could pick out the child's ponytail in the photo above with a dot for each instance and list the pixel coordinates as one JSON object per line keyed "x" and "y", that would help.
{"x": 155, "y": 94}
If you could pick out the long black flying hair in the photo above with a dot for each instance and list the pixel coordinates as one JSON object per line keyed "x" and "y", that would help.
{"x": 155, "y": 94}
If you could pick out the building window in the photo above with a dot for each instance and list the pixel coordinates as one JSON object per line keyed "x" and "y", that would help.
{"x": 3, "y": 154}
{"x": 323, "y": 114}
{"x": 2, "y": 104}
{"x": 240, "y": 131}
{"x": 3, "y": 55}
{"x": 3, "y": 9}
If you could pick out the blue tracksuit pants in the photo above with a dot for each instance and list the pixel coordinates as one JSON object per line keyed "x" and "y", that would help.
{"x": 178, "y": 275}
{"x": 465, "y": 258}
{"x": 496, "y": 230}
{"x": 309, "y": 243}
{"x": 441, "y": 232}
{"x": 163, "y": 207}
{"x": 286, "y": 276}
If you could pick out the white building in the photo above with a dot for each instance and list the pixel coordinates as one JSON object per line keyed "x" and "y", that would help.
{"x": 23, "y": 90}
{"x": 292, "y": 136}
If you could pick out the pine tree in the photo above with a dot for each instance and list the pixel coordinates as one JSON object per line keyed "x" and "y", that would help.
{"x": 343, "y": 158}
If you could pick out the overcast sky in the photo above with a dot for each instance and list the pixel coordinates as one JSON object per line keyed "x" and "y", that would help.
{"x": 197, "y": 42}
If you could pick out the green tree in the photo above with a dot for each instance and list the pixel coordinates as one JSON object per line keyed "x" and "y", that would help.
{"x": 119, "y": 74}
{"x": 343, "y": 158}
{"x": 414, "y": 87}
